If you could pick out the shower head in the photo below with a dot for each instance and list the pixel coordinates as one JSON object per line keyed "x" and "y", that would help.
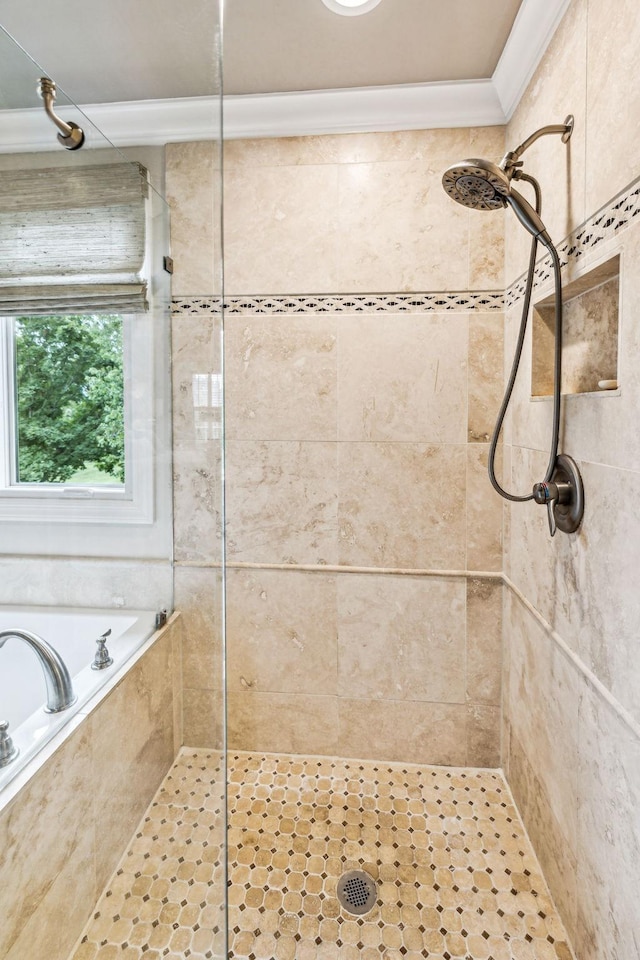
{"x": 478, "y": 184}
{"x": 483, "y": 185}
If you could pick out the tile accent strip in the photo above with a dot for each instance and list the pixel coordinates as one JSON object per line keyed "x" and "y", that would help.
{"x": 611, "y": 219}
{"x": 341, "y": 303}
{"x": 337, "y": 568}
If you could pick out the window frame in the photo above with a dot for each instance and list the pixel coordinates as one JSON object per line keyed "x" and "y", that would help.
{"x": 62, "y": 503}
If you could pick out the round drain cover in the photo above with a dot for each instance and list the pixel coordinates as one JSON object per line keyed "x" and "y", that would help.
{"x": 356, "y": 892}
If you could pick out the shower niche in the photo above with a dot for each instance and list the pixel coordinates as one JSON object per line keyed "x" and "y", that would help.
{"x": 590, "y": 341}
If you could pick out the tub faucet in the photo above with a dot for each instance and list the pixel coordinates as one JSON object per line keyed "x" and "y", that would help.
{"x": 60, "y": 693}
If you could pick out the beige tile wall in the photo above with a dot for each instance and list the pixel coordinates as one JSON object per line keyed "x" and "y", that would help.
{"x": 63, "y": 833}
{"x": 352, "y": 440}
{"x": 572, "y": 722}
{"x": 356, "y": 213}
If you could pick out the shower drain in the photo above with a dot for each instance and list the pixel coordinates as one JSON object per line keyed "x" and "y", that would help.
{"x": 356, "y": 892}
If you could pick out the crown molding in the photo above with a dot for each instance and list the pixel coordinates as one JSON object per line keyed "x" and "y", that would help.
{"x": 366, "y": 109}
{"x": 534, "y": 26}
{"x": 416, "y": 106}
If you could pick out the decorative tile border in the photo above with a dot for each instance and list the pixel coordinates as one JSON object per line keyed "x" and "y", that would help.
{"x": 335, "y": 304}
{"x": 610, "y": 220}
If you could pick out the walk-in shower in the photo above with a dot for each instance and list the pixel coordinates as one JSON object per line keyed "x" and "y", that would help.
{"x": 483, "y": 185}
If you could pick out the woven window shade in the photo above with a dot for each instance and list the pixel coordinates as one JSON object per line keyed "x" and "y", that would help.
{"x": 72, "y": 240}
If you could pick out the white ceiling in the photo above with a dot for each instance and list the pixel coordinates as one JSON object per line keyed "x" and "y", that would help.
{"x": 284, "y": 45}
{"x": 121, "y": 50}
{"x": 146, "y": 71}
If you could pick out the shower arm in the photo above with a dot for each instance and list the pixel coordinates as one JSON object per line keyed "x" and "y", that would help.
{"x": 71, "y": 135}
{"x": 511, "y": 160}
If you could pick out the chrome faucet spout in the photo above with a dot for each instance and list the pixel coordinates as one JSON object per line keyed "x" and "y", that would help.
{"x": 60, "y": 693}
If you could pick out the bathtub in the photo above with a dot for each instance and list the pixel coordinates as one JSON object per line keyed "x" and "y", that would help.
{"x": 73, "y": 633}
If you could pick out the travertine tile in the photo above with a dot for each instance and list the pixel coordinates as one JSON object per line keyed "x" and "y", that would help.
{"x": 608, "y": 916}
{"x": 480, "y": 901}
{"x": 484, "y": 510}
{"x": 420, "y": 733}
{"x": 403, "y": 378}
{"x": 613, "y": 101}
{"x": 95, "y": 581}
{"x": 539, "y": 815}
{"x": 596, "y": 428}
{"x": 197, "y": 502}
{"x": 596, "y": 608}
{"x": 290, "y": 209}
{"x": 436, "y": 146}
{"x": 531, "y": 549}
{"x": 392, "y": 233}
{"x": 281, "y": 631}
{"x": 280, "y": 151}
{"x": 486, "y": 374}
{"x": 203, "y": 718}
{"x": 166, "y": 897}
{"x": 483, "y": 735}
{"x": 486, "y": 250}
{"x": 402, "y": 505}
{"x": 192, "y": 170}
{"x": 542, "y": 702}
{"x": 125, "y": 769}
{"x": 47, "y": 857}
{"x": 199, "y": 598}
{"x": 401, "y": 638}
{"x": 589, "y": 341}
{"x": 281, "y": 377}
{"x": 452, "y": 866}
{"x": 196, "y": 365}
{"x": 583, "y": 584}
{"x": 488, "y": 142}
{"x": 281, "y": 501}
{"x": 296, "y": 722}
{"x": 484, "y": 641}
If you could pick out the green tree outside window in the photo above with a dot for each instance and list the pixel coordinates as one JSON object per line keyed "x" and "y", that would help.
{"x": 70, "y": 399}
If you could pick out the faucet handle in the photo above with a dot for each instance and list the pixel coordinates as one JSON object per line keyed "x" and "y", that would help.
{"x": 563, "y": 496}
{"x": 547, "y": 493}
{"x": 103, "y": 658}
{"x": 7, "y": 749}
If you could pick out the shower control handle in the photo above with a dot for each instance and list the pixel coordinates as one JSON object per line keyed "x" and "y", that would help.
{"x": 552, "y": 494}
{"x": 563, "y": 496}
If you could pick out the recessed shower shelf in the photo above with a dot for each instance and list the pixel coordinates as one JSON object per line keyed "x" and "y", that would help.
{"x": 590, "y": 336}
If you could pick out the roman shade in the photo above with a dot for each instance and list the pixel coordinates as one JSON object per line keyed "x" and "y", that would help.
{"x": 72, "y": 240}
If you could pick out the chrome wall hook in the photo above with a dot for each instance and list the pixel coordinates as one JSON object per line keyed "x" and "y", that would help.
{"x": 71, "y": 135}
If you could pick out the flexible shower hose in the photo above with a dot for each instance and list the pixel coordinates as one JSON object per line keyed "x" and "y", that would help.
{"x": 557, "y": 365}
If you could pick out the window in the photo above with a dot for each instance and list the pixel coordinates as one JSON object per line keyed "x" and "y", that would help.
{"x": 76, "y": 400}
{"x": 84, "y": 362}
{"x": 67, "y": 415}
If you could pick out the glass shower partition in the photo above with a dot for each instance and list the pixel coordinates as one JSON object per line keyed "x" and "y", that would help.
{"x": 90, "y": 440}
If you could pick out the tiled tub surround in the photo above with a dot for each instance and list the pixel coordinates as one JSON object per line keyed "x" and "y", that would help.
{"x": 455, "y": 874}
{"x": 63, "y": 831}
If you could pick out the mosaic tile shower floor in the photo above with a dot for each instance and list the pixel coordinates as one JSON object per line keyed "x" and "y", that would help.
{"x": 456, "y": 876}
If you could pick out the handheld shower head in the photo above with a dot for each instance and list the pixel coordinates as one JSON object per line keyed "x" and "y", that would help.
{"x": 483, "y": 185}
{"x": 478, "y": 184}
